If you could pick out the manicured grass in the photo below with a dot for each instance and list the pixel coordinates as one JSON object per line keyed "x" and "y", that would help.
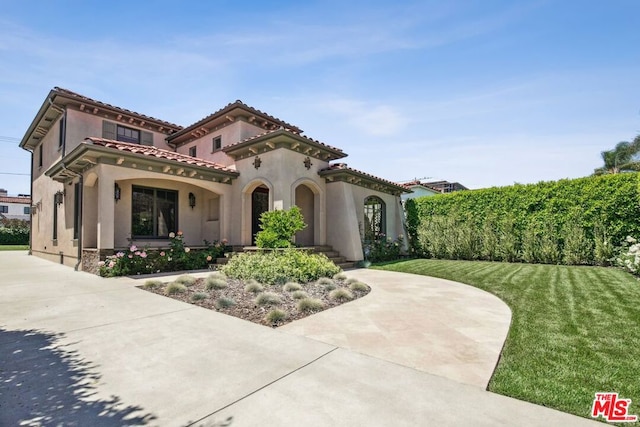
{"x": 575, "y": 331}
{"x": 14, "y": 247}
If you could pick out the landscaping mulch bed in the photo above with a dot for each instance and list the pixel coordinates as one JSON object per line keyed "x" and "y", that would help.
{"x": 245, "y": 306}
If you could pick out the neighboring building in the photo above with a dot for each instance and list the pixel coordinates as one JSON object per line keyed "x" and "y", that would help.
{"x": 103, "y": 175}
{"x": 446, "y": 186}
{"x": 418, "y": 189}
{"x": 15, "y": 207}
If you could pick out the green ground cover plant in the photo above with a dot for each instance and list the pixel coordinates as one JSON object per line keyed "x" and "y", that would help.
{"x": 574, "y": 330}
{"x": 14, "y": 247}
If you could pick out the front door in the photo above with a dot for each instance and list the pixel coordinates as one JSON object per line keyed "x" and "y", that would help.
{"x": 259, "y": 204}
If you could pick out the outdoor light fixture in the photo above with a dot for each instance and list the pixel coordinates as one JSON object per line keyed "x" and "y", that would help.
{"x": 192, "y": 200}
{"x": 116, "y": 192}
{"x": 58, "y": 197}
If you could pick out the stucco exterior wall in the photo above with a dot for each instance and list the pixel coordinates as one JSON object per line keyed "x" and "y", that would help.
{"x": 81, "y": 125}
{"x": 230, "y": 134}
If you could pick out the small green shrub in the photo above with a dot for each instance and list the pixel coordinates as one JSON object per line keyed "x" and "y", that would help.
{"x": 198, "y": 296}
{"x": 299, "y": 295}
{"x": 310, "y": 304}
{"x": 216, "y": 283}
{"x": 292, "y": 286}
{"x": 278, "y": 228}
{"x": 152, "y": 284}
{"x": 186, "y": 280}
{"x": 279, "y": 267}
{"x": 358, "y": 287}
{"x": 268, "y": 298}
{"x": 175, "y": 288}
{"x": 340, "y": 276}
{"x": 224, "y": 303}
{"x": 253, "y": 287}
{"x": 276, "y": 315}
{"x": 341, "y": 294}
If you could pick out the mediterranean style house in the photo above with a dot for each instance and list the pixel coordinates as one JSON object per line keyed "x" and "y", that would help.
{"x": 104, "y": 176}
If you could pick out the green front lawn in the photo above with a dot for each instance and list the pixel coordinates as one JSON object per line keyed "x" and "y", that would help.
{"x": 575, "y": 331}
{"x": 14, "y": 247}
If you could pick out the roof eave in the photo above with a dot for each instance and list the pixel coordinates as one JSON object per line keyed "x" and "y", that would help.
{"x": 363, "y": 180}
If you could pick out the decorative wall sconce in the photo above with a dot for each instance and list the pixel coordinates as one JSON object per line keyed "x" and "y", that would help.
{"x": 192, "y": 200}
{"x": 257, "y": 162}
{"x": 307, "y": 163}
{"x": 58, "y": 198}
{"x": 117, "y": 193}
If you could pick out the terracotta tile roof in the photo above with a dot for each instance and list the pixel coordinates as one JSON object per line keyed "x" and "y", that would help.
{"x": 414, "y": 183}
{"x": 237, "y": 104}
{"x": 158, "y": 153}
{"x": 336, "y": 167}
{"x": 14, "y": 199}
{"x": 71, "y": 94}
{"x": 282, "y": 131}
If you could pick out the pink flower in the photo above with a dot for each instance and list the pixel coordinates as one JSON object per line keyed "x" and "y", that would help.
{"x": 225, "y": 241}
{"x": 172, "y": 235}
{"x": 143, "y": 254}
{"x": 187, "y": 250}
{"x": 100, "y": 264}
{"x": 162, "y": 253}
{"x": 111, "y": 264}
{"x": 137, "y": 253}
{"x": 133, "y": 248}
{"x": 130, "y": 256}
{"x": 179, "y": 233}
{"x": 120, "y": 254}
{"x": 208, "y": 257}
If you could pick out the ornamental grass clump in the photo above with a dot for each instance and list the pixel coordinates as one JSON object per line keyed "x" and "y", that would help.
{"x": 253, "y": 287}
{"x": 275, "y": 316}
{"x": 152, "y": 284}
{"x": 292, "y": 286}
{"x": 340, "y": 276}
{"x": 310, "y": 305}
{"x": 268, "y": 298}
{"x": 358, "y": 287}
{"x": 351, "y": 280}
{"x": 215, "y": 283}
{"x": 175, "y": 288}
{"x": 198, "y": 296}
{"x": 327, "y": 283}
{"x": 224, "y": 303}
{"x": 299, "y": 295}
{"x": 186, "y": 280}
{"x": 341, "y": 294}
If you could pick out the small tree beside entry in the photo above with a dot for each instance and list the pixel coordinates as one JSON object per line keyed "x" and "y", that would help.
{"x": 279, "y": 227}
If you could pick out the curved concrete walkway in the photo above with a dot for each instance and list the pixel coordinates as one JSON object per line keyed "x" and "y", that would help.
{"x": 438, "y": 326}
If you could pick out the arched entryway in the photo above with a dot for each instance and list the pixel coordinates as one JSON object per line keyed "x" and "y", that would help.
{"x": 259, "y": 205}
{"x": 305, "y": 200}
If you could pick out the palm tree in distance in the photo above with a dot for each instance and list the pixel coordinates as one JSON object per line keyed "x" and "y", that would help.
{"x": 623, "y": 158}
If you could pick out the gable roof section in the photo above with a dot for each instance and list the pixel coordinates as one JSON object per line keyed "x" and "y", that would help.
{"x": 283, "y": 138}
{"x": 340, "y": 172}
{"x": 228, "y": 114}
{"x": 413, "y": 184}
{"x": 14, "y": 199}
{"x": 59, "y": 99}
{"x": 99, "y": 150}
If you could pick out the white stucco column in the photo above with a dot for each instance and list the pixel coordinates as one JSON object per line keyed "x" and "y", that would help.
{"x": 106, "y": 204}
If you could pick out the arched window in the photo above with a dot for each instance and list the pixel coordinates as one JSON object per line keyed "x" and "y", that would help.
{"x": 375, "y": 218}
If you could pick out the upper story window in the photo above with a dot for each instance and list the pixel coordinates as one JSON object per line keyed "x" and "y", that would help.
{"x": 114, "y": 131}
{"x": 40, "y": 156}
{"x": 27, "y": 210}
{"x": 62, "y": 132}
{"x": 217, "y": 144}
{"x": 4, "y": 209}
{"x": 126, "y": 134}
{"x": 192, "y": 151}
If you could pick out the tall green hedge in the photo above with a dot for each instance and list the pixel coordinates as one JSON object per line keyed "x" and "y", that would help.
{"x": 14, "y": 232}
{"x": 566, "y": 221}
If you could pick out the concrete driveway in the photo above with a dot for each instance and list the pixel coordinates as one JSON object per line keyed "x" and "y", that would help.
{"x": 76, "y": 349}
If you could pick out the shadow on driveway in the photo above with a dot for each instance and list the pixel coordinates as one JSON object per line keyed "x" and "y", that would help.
{"x": 43, "y": 384}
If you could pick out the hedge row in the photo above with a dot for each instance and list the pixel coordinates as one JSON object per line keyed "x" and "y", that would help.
{"x": 14, "y": 236}
{"x": 566, "y": 221}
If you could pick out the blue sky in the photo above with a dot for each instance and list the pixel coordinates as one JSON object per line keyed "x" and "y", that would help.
{"x": 485, "y": 93}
